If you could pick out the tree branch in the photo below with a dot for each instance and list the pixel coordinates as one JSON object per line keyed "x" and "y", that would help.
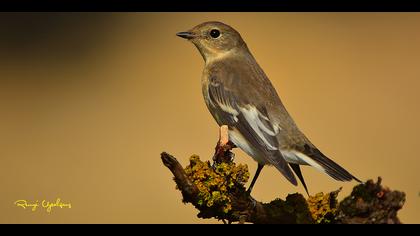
{"x": 243, "y": 207}
{"x": 217, "y": 190}
{"x": 188, "y": 189}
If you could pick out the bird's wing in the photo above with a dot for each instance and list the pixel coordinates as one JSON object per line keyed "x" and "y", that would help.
{"x": 240, "y": 110}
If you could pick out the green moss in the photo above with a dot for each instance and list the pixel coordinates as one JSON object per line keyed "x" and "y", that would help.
{"x": 215, "y": 182}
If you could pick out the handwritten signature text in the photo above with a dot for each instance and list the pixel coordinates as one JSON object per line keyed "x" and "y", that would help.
{"x": 47, "y": 205}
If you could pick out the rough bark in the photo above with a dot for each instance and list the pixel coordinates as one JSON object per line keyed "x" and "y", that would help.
{"x": 217, "y": 190}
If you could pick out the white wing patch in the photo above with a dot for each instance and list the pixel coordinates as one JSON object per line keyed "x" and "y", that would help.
{"x": 275, "y": 128}
{"x": 299, "y": 158}
{"x": 240, "y": 141}
{"x": 230, "y": 110}
{"x": 253, "y": 117}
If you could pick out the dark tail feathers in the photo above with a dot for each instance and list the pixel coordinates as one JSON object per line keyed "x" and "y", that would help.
{"x": 298, "y": 172}
{"x": 331, "y": 168}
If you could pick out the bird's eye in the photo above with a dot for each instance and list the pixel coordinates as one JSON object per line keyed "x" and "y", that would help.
{"x": 214, "y": 33}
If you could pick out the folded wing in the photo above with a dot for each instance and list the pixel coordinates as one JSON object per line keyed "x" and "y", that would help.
{"x": 250, "y": 118}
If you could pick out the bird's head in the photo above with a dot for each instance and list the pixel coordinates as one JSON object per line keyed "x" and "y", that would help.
{"x": 214, "y": 39}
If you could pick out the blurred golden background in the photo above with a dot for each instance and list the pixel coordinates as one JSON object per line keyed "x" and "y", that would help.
{"x": 88, "y": 101}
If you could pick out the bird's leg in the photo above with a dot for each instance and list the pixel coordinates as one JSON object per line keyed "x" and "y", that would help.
{"x": 257, "y": 173}
{"x": 223, "y": 147}
{"x": 223, "y": 135}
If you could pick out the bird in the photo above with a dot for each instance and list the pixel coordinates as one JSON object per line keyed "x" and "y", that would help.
{"x": 239, "y": 94}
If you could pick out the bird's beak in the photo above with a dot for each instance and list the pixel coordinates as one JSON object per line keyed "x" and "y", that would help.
{"x": 186, "y": 35}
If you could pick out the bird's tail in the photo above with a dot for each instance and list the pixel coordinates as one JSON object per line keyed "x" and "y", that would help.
{"x": 298, "y": 172}
{"x": 328, "y": 166}
{"x": 277, "y": 160}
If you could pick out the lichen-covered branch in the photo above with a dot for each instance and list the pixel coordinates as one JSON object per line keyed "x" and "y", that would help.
{"x": 217, "y": 191}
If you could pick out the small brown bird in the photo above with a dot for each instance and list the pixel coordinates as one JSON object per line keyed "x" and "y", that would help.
{"x": 238, "y": 94}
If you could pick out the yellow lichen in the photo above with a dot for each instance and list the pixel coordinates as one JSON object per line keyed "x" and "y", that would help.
{"x": 215, "y": 182}
{"x": 323, "y": 207}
